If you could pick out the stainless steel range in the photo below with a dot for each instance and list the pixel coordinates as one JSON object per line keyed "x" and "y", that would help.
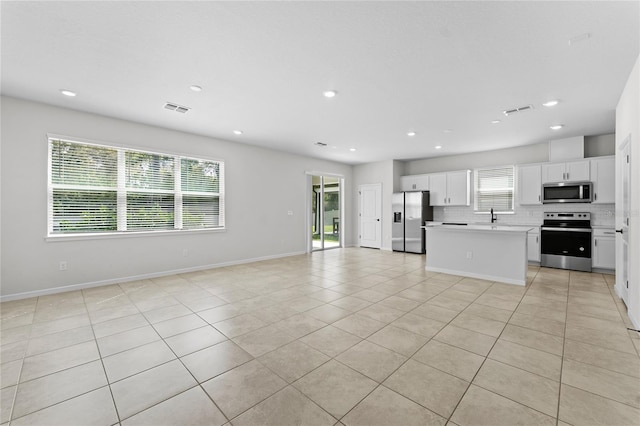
{"x": 566, "y": 241}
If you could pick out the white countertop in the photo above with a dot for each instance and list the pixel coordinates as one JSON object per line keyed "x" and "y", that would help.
{"x": 481, "y": 227}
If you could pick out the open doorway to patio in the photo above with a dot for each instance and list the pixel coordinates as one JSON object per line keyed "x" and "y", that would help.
{"x": 326, "y": 212}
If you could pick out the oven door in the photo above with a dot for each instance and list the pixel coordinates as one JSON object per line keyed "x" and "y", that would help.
{"x": 575, "y": 242}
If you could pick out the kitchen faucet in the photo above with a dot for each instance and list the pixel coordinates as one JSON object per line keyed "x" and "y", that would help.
{"x": 494, "y": 217}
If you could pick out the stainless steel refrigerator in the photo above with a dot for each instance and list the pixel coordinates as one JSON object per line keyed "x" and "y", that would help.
{"x": 411, "y": 210}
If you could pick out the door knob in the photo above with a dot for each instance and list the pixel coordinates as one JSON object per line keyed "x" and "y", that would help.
{"x": 378, "y": 220}
{"x": 620, "y": 231}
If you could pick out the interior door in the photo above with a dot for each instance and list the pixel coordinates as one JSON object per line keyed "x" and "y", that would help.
{"x": 370, "y": 215}
{"x": 622, "y": 220}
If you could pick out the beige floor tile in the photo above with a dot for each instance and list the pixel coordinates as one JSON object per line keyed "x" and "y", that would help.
{"x": 201, "y": 304}
{"x": 59, "y": 387}
{"x": 207, "y": 363}
{"x": 448, "y": 303}
{"x": 533, "y": 339}
{"x": 472, "y": 341}
{"x": 398, "y": 340}
{"x": 194, "y": 340}
{"x": 400, "y": 303}
{"x": 263, "y": 340}
{"x": 150, "y": 387}
{"x": 106, "y": 313}
{"x": 481, "y": 407}
{"x": 13, "y": 351}
{"x": 7, "y": 396}
{"x": 133, "y": 361}
{"x": 545, "y": 325}
{"x": 328, "y": 313}
{"x": 529, "y": 359}
{"x": 335, "y": 387}
{"x": 420, "y": 325}
{"x": 167, "y": 313}
{"x": 93, "y": 408}
{"x": 156, "y": 302}
{"x": 545, "y": 303}
{"x": 385, "y": 407}
{"x": 127, "y": 340}
{"x": 479, "y": 324}
{"x": 600, "y": 381}
{"x": 497, "y": 302}
{"x": 326, "y": 295}
{"x": 610, "y": 314}
{"x": 450, "y": 359}
{"x": 331, "y": 340}
{"x": 303, "y": 303}
{"x": 359, "y": 300}
{"x": 521, "y": 386}
{"x": 300, "y": 325}
{"x": 275, "y": 313}
{"x": 541, "y": 312}
{"x": 603, "y": 339}
{"x": 15, "y": 334}
{"x": 10, "y": 373}
{"x": 119, "y": 325}
{"x": 58, "y": 360}
{"x": 439, "y": 392}
{"x": 372, "y": 360}
{"x": 382, "y": 313}
{"x": 179, "y": 325}
{"x": 578, "y": 407}
{"x": 293, "y": 361}
{"x": 620, "y": 362}
{"x": 465, "y": 296}
{"x": 49, "y": 327}
{"x": 237, "y": 326}
{"x": 434, "y": 312}
{"x": 359, "y": 325}
{"x": 287, "y": 407}
{"x": 192, "y": 407}
{"x": 219, "y": 313}
{"x": 243, "y": 387}
{"x": 488, "y": 312}
{"x": 59, "y": 340}
{"x": 614, "y": 327}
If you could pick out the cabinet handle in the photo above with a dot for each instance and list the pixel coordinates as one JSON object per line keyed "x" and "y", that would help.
{"x": 538, "y": 198}
{"x": 536, "y": 238}
{"x": 595, "y": 243}
{"x": 595, "y": 197}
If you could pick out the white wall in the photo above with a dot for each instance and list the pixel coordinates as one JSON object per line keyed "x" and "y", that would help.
{"x": 627, "y": 123}
{"x": 261, "y": 186}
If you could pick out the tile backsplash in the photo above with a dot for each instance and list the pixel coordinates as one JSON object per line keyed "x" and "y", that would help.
{"x": 601, "y": 214}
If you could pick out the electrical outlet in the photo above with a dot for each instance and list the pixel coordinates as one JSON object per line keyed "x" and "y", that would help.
{"x": 290, "y": 212}
{"x": 63, "y": 265}
{"x": 469, "y": 255}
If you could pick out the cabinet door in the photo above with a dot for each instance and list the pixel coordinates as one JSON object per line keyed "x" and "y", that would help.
{"x": 438, "y": 189}
{"x": 577, "y": 171}
{"x": 529, "y": 185}
{"x": 553, "y": 172}
{"x": 458, "y": 188}
{"x": 533, "y": 247}
{"x": 603, "y": 177}
{"x": 604, "y": 252}
{"x": 422, "y": 182}
{"x": 407, "y": 183}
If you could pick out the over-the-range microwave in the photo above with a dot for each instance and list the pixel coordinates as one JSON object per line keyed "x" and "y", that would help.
{"x": 567, "y": 192}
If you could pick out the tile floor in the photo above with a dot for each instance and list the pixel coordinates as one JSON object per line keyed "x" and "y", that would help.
{"x": 347, "y": 337}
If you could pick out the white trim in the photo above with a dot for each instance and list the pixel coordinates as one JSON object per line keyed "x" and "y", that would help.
{"x": 475, "y": 275}
{"x": 130, "y": 234}
{"x": 36, "y": 293}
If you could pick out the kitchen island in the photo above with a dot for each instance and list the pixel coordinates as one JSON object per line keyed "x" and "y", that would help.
{"x": 489, "y": 252}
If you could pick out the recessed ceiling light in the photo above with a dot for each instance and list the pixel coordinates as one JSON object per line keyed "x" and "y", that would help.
{"x": 411, "y": 133}
{"x": 195, "y": 88}
{"x": 551, "y": 103}
{"x": 352, "y": 149}
{"x": 556, "y": 126}
{"x": 495, "y": 122}
{"x": 448, "y": 130}
{"x": 237, "y": 132}
{"x": 67, "y": 93}
{"x": 329, "y": 93}
{"x": 438, "y": 147}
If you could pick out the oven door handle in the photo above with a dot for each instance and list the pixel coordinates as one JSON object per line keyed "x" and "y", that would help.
{"x": 545, "y": 228}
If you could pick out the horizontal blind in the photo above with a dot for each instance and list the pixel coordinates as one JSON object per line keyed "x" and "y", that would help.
{"x": 494, "y": 189}
{"x": 100, "y": 189}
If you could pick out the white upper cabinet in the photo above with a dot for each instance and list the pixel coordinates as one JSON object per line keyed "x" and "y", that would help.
{"x": 603, "y": 177}
{"x": 572, "y": 171}
{"x": 414, "y": 183}
{"x": 530, "y": 184}
{"x": 450, "y": 189}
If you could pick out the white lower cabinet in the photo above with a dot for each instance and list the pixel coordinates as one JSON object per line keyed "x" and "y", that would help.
{"x": 533, "y": 245}
{"x": 603, "y": 249}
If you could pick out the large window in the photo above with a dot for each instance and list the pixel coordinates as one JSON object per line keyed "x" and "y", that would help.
{"x": 95, "y": 189}
{"x": 494, "y": 189}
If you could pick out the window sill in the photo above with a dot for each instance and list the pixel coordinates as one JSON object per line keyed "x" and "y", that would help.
{"x": 136, "y": 234}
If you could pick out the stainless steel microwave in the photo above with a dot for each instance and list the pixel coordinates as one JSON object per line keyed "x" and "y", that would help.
{"x": 567, "y": 192}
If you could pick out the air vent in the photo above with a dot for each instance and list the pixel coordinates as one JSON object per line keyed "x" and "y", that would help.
{"x": 177, "y": 108}
{"x": 320, "y": 144}
{"x": 520, "y": 109}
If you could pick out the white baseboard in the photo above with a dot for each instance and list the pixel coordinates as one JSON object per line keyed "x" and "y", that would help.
{"x": 54, "y": 290}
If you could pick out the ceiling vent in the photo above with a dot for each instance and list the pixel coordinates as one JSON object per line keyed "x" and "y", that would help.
{"x": 320, "y": 144}
{"x": 515, "y": 110}
{"x": 175, "y": 107}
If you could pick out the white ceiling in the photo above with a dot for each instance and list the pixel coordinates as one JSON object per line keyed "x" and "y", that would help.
{"x": 397, "y": 67}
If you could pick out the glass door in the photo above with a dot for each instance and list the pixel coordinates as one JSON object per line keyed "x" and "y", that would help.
{"x": 326, "y": 212}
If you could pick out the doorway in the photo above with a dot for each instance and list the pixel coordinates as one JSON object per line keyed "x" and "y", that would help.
{"x": 369, "y": 215}
{"x": 326, "y": 212}
{"x": 622, "y": 222}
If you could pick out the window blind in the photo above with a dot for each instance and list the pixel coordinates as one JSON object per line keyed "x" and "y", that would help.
{"x": 494, "y": 188}
{"x": 102, "y": 189}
